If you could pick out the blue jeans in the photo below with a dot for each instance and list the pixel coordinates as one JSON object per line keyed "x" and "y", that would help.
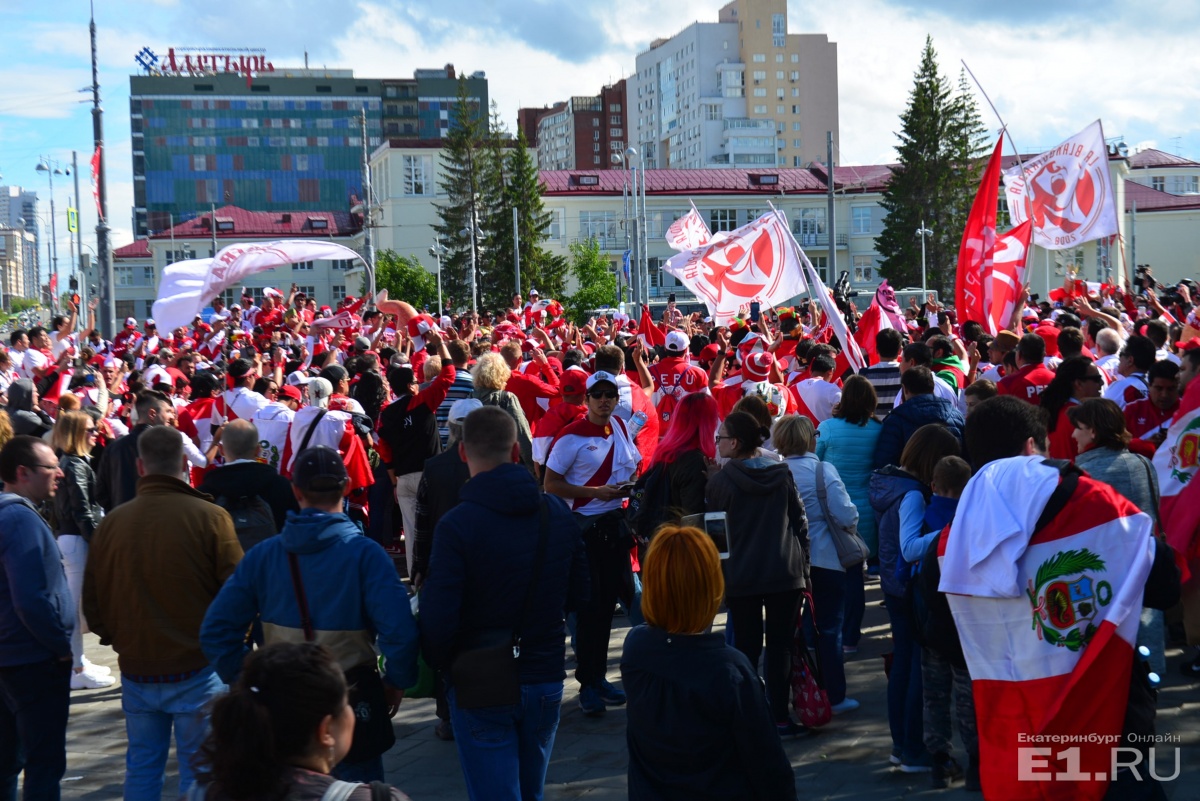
{"x": 35, "y": 701}
{"x": 829, "y": 595}
{"x": 856, "y": 606}
{"x": 505, "y": 750}
{"x": 150, "y": 712}
{"x": 905, "y": 701}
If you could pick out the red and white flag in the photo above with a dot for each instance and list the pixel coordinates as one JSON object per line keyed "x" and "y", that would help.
{"x": 1048, "y": 623}
{"x": 1177, "y": 461}
{"x": 754, "y": 263}
{"x": 978, "y": 243}
{"x": 1067, "y": 191}
{"x": 689, "y": 232}
{"x": 649, "y": 334}
{"x": 343, "y": 320}
{"x": 1002, "y": 283}
{"x": 872, "y": 321}
{"x": 96, "y": 157}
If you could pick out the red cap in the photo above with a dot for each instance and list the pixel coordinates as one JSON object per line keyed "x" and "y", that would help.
{"x": 573, "y": 381}
{"x": 290, "y": 392}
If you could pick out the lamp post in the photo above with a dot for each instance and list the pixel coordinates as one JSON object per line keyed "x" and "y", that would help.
{"x": 619, "y": 160}
{"x": 923, "y": 232}
{"x": 437, "y": 251}
{"x": 473, "y": 231}
{"x": 52, "y": 168}
{"x": 635, "y": 280}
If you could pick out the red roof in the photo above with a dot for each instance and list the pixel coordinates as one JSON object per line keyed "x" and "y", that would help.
{"x": 1150, "y": 157}
{"x": 696, "y": 182}
{"x": 266, "y": 225}
{"x": 1152, "y": 200}
{"x": 138, "y": 249}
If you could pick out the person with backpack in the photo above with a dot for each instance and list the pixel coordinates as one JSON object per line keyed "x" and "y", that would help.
{"x": 255, "y": 495}
{"x": 280, "y": 731}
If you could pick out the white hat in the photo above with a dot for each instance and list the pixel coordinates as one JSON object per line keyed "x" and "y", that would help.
{"x": 599, "y": 376}
{"x": 533, "y": 293}
{"x": 216, "y": 317}
{"x": 677, "y": 342}
{"x": 297, "y": 378}
{"x": 130, "y": 322}
{"x": 461, "y": 408}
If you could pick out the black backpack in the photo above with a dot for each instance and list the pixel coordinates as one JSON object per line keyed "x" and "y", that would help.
{"x": 253, "y": 519}
{"x": 929, "y": 611}
{"x": 650, "y": 502}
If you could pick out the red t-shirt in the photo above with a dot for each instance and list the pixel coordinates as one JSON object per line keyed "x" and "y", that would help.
{"x": 1143, "y": 417}
{"x": 1027, "y": 383}
{"x": 1062, "y": 444}
{"x": 528, "y": 388}
{"x": 674, "y": 379}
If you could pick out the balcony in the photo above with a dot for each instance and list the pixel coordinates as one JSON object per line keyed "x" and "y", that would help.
{"x": 743, "y": 125}
{"x": 606, "y": 242}
{"x": 820, "y": 240}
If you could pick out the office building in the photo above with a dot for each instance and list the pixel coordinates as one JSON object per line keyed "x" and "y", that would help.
{"x": 739, "y": 92}
{"x": 19, "y": 209}
{"x": 17, "y": 246}
{"x": 581, "y": 133}
{"x": 422, "y": 107}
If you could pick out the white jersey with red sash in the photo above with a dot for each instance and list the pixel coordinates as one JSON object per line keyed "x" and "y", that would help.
{"x": 1048, "y": 623}
{"x": 273, "y": 422}
{"x": 588, "y": 455}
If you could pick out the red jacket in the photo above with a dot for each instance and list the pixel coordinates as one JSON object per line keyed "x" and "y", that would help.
{"x": 529, "y": 388}
{"x": 1027, "y": 383}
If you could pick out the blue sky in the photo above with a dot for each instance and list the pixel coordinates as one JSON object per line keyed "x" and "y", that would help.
{"x": 1050, "y": 68}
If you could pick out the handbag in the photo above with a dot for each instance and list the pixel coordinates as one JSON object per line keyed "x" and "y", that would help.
{"x": 851, "y": 548}
{"x": 809, "y": 698}
{"x": 485, "y": 669}
{"x": 373, "y": 732}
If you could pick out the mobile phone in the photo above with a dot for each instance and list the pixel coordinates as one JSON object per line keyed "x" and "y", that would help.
{"x": 714, "y": 525}
{"x": 671, "y": 298}
{"x": 755, "y": 311}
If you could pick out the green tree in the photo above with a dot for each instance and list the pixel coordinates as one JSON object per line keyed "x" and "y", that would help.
{"x": 461, "y": 184}
{"x": 405, "y": 279}
{"x": 495, "y": 216}
{"x": 941, "y": 140}
{"x": 538, "y": 268}
{"x": 595, "y": 279}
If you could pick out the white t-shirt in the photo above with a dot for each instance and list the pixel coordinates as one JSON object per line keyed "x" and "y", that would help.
{"x": 819, "y": 396}
{"x": 242, "y": 403}
{"x": 32, "y": 359}
{"x": 588, "y": 455}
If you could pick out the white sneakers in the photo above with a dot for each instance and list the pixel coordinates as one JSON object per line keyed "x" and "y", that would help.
{"x": 847, "y": 705}
{"x": 92, "y": 677}
{"x": 96, "y": 670}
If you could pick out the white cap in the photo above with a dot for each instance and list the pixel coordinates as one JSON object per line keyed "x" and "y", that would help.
{"x": 677, "y": 342}
{"x": 599, "y": 376}
{"x": 130, "y": 322}
{"x": 297, "y": 379}
{"x": 216, "y": 317}
{"x": 461, "y": 408}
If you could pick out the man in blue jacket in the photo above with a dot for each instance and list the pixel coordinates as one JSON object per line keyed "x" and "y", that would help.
{"x": 37, "y": 618}
{"x": 355, "y": 598}
{"x": 919, "y": 407}
{"x": 480, "y": 572}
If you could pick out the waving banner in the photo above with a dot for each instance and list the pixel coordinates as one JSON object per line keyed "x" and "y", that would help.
{"x": 978, "y": 242}
{"x": 181, "y": 299}
{"x": 753, "y": 263}
{"x": 1067, "y": 192}
{"x": 689, "y": 232}
{"x": 1002, "y": 283}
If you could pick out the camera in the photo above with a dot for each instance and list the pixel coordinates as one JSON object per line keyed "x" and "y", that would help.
{"x": 1143, "y": 279}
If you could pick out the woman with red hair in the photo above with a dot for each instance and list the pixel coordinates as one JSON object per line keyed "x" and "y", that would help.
{"x": 686, "y": 451}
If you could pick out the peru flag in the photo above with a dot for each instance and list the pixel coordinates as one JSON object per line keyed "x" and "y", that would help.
{"x": 1177, "y": 461}
{"x": 649, "y": 334}
{"x": 872, "y": 321}
{"x": 978, "y": 242}
{"x": 1002, "y": 283}
{"x": 1048, "y": 623}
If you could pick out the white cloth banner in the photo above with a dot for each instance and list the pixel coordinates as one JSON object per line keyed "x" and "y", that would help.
{"x": 180, "y": 298}
{"x": 1068, "y": 192}
{"x": 688, "y": 232}
{"x": 753, "y": 263}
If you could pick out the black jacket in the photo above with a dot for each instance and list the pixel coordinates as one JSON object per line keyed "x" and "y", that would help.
{"x": 26, "y": 418}
{"x": 253, "y": 478}
{"x": 689, "y": 476}
{"x": 482, "y": 564}
{"x": 117, "y": 475}
{"x": 699, "y": 726}
{"x": 411, "y": 435}
{"x": 443, "y": 478}
{"x": 75, "y": 507}
{"x": 903, "y": 421}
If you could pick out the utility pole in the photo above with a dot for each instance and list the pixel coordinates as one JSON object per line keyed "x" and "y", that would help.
{"x": 77, "y": 267}
{"x": 516, "y": 253}
{"x": 831, "y": 225}
{"x": 368, "y": 244}
{"x": 103, "y": 257}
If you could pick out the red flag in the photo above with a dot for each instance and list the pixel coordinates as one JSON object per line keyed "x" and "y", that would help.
{"x": 96, "y": 180}
{"x": 872, "y": 321}
{"x": 978, "y": 243}
{"x": 1002, "y": 283}
{"x": 648, "y": 333}
{"x": 53, "y": 288}
{"x": 1177, "y": 461}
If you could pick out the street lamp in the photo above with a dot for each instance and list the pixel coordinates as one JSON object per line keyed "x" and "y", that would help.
{"x": 619, "y": 160}
{"x": 473, "y": 231}
{"x": 52, "y": 168}
{"x": 923, "y": 232}
{"x": 438, "y": 250}
{"x": 638, "y": 222}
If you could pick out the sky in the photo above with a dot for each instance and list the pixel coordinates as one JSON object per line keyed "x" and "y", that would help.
{"x": 1049, "y": 68}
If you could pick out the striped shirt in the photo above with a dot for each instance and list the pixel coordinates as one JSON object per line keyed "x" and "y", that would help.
{"x": 885, "y": 377}
{"x": 462, "y": 388}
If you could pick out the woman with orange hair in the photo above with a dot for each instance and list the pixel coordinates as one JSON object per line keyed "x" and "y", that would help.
{"x": 699, "y": 724}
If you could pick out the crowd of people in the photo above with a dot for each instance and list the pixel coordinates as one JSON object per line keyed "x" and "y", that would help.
{"x": 231, "y": 507}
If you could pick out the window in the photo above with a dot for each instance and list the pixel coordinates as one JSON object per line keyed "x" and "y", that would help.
{"x": 821, "y": 265}
{"x": 300, "y": 162}
{"x": 338, "y": 291}
{"x": 779, "y": 109}
{"x": 808, "y": 225}
{"x": 417, "y": 174}
{"x": 723, "y": 220}
{"x": 554, "y": 230}
{"x": 860, "y": 219}
{"x": 864, "y": 269}
{"x": 1158, "y": 183}
{"x": 595, "y": 159}
{"x": 123, "y": 276}
{"x": 173, "y": 256}
{"x": 795, "y": 126}
{"x": 779, "y": 75}
{"x": 795, "y": 143}
{"x": 309, "y": 290}
{"x": 794, "y": 75}
{"x": 779, "y": 94}
{"x": 760, "y": 75}
{"x": 712, "y": 112}
{"x": 760, "y": 91}
{"x": 595, "y": 122}
{"x": 125, "y": 308}
{"x": 599, "y": 225}
{"x": 614, "y": 108}
{"x": 595, "y": 136}
{"x": 199, "y": 163}
{"x": 1185, "y": 184}
{"x": 760, "y": 109}
{"x": 616, "y": 132}
{"x": 595, "y": 147}
{"x": 342, "y": 264}
{"x": 760, "y": 58}
{"x": 795, "y": 109}
{"x": 615, "y": 119}
{"x": 795, "y": 91}
{"x": 303, "y": 265}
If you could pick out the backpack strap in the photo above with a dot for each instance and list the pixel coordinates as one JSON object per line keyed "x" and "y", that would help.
{"x": 1068, "y": 480}
{"x": 339, "y": 791}
{"x": 381, "y": 791}
{"x": 301, "y": 598}
{"x": 308, "y": 434}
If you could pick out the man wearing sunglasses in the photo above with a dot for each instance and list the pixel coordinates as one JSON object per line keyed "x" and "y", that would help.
{"x": 589, "y": 466}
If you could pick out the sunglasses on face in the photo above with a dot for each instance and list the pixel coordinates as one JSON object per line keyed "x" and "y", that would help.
{"x": 606, "y": 394}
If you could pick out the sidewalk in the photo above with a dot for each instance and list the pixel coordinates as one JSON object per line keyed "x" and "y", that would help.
{"x": 846, "y": 759}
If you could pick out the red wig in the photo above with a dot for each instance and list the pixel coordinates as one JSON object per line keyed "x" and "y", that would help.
{"x": 693, "y": 426}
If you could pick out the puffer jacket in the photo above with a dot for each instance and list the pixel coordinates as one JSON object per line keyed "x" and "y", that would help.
{"x": 767, "y": 524}
{"x": 851, "y": 449}
{"x": 75, "y": 506}
{"x": 888, "y": 488}
{"x": 26, "y": 418}
{"x": 905, "y": 419}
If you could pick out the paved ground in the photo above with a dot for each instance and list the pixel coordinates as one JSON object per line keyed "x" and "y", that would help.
{"x": 847, "y": 759}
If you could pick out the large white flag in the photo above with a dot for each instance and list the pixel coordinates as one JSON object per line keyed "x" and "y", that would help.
{"x": 689, "y": 232}
{"x": 753, "y": 263}
{"x": 186, "y": 286}
{"x": 1067, "y": 191}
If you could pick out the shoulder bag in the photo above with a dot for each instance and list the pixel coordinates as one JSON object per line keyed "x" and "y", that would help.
{"x": 485, "y": 670}
{"x": 851, "y": 549}
{"x": 373, "y": 732}
{"x": 809, "y": 698}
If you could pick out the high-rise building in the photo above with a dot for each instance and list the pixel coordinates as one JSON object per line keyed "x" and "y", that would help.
{"x": 279, "y": 140}
{"x": 18, "y": 209}
{"x": 582, "y": 133}
{"x": 739, "y": 92}
{"x": 16, "y": 248}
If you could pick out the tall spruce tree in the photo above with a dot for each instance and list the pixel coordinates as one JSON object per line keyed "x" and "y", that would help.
{"x": 941, "y": 140}
{"x": 495, "y": 216}
{"x": 461, "y": 183}
{"x": 539, "y": 269}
